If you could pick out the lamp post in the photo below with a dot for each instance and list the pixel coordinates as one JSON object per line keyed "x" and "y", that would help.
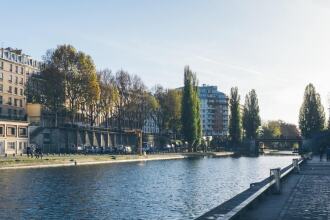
{"x": 139, "y": 141}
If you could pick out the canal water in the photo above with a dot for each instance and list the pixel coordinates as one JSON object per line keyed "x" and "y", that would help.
{"x": 172, "y": 189}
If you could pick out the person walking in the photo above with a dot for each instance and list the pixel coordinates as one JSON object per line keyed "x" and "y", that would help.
{"x": 321, "y": 152}
{"x": 328, "y": 153}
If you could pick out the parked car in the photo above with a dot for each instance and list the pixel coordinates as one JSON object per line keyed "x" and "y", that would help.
{"x": 108, "y": 150}
{"x": 89, "y": 149}
{"x": 119, "y": 149}
{"x": 80, "y": 149}
{"x": 127, "y": 150}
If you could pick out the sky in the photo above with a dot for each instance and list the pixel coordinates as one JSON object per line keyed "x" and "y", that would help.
{"x": 276, "y": 47}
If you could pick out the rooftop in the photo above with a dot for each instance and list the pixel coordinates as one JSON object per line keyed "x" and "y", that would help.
{"x": 17, "y": 56}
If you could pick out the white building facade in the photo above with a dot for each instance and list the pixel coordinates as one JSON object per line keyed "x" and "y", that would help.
{"x": 150, "y": 126}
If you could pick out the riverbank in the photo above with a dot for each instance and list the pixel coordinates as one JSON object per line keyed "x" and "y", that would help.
{"x": 23, "y": 162}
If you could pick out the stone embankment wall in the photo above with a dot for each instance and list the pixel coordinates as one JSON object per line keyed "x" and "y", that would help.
{"x": 55, "y": 140}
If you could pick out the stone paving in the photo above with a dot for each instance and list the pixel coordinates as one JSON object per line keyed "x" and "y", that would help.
{"x": 305, "y": 196}
{"x": 310, "y": 198}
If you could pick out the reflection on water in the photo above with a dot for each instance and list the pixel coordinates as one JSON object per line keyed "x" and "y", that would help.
{"x": 173, "y": 189}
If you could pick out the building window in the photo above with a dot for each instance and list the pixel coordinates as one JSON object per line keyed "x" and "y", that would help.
{"x": 20, "y": 112}
{"x": 16, "y": 69}
{"x": 22, "y": 70}
{"x": 1, "y": 66}
{"x": 9, "y": 101}
{"x": 20, "y": 145}
{"x": 10, "y": 78}
{"x": 21, "y": 103}
{"x": 16, "y": 79}
{"x": 2, "y": 130}
{"x": 10, "y": 89}
{"x": 21, "y": 81}
{"x": 21, "y": 91}
{"x": 11, "y": 131}
{"x": 11, "y": 145}
{"x": 1, "y": 75}
{"x": 15, "y": 112}
{"x": 16, "y": 91}
{"x": 0, "y": 100}
{"x": 15, "y": 103}
{"x": 11, "y": 68}
{"x": 1, "y": 88}
{"x": 22, "y": 132}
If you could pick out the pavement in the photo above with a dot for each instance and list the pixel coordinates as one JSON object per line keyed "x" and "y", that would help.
{"x": 304, "y": 196}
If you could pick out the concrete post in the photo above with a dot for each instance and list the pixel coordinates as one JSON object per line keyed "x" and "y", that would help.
{"x": 276, "y": 174}
{"x": 296, "y": 165}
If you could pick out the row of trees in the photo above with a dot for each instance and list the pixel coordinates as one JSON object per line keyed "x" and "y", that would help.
{"x": 70, "y": 88}
{"x": 244, "y": 121}
{"x": 278, "y": 129}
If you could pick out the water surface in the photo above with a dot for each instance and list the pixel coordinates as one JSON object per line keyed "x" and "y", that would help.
{"x": 172, "y": 189}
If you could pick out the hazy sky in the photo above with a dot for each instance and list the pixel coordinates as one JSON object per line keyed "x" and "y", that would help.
{"x": 275, "y": 47}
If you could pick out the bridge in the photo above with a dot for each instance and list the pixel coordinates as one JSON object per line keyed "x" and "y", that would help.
{"x": 298, "y": 140}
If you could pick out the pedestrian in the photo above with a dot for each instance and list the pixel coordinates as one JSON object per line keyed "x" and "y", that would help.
{"x": 28, "y": 151}
{"x": 328, "y": 153}
{"x": 321, "y": 152}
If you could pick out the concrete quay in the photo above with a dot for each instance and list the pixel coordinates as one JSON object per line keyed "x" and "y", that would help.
{"x": 23, "y": 162}
{"x": 304, "y": 194}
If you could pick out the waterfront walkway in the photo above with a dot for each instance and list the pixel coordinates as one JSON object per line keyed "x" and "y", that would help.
{"x": 23, "y": 162}
{"x": 305, "y": 195}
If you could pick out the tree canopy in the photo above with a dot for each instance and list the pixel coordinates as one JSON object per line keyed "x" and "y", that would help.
{"x": 191, "y": 122}
{"x": 235, "y": 122}
{"x": 311, "y": 115}
{"x": 251, "y": 117}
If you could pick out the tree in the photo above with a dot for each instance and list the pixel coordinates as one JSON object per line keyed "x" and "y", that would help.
{"x": 271, "y": 129}
{"x": 108, "y": 95}
{"x": 53, "y": 91}
{"x": 68, "y": 81}
{"x": 64, "y": 58}
{"x": 251, "y": 118}
{"x": 172, "y": 111}
{"x": 79, "y": 79}
{"x": 289, "y": 130}
{"x": 90, "y": 88}
{"x": 311, "y": 115}
{"x": 168, "y": 115}
{"x": 123, "y": 86}
{"x": 235, "y": 123}
{"x": 191, "y": 122}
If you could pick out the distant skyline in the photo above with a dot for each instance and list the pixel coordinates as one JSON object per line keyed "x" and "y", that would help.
{"x": 276, "y": 47}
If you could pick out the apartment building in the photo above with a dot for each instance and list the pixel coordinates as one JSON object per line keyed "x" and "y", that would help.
{"x": 15, "y": 69}
{"x": 150, "y": 126}
{"x": 214, "y": 111}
